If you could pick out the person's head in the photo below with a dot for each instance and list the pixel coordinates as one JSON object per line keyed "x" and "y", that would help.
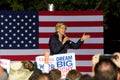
{"x": 3, "y": 74}
{"x": 55, "y": 74}
{"x": 27, "y": 64}
{"x": 44, "y": 76}
{"x": 61, "y": 28}
{"x": 105, "y": 69}
{"x": 35, "y": 75}
{"x": 86, "y": 77}
{"x": 73, "y": 75}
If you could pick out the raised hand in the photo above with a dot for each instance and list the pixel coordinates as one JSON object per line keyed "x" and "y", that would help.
{"x": 46, "y": 54}
{"x": 95, "y": 60}
{"x": 84, "y": 37}
{"x": 117, "y": 59}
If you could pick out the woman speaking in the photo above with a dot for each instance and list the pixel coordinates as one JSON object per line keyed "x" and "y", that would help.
{"x": 59, "y": 42}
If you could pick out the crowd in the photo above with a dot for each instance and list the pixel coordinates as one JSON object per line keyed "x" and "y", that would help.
{"x": 103, "y": 68}
{"x": 107, "y": 68}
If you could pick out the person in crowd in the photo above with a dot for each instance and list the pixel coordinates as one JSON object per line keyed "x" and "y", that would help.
{"x": 60, "y": 42}
{"x": 105, "y": 69}
{"x": 55, "y": 74}
{"x": 37, "y": 73}
{"x": 86, "y": 77}
{"x": 20, "y": 71}
{"x": 27, "y": 64}
{"x": 45, "y": 76}
{"x": 3, "y": 74}
{"x": 73, "y": 75}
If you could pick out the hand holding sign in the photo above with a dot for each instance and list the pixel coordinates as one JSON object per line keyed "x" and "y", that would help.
{"x": 46, "y": 54}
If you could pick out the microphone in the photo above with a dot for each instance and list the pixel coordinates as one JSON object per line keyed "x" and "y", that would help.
{"x": 67, "y": 40}
{"x": 65, "y": 35}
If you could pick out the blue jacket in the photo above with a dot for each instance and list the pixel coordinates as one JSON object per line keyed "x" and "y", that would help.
{"x": 57, "y": 47}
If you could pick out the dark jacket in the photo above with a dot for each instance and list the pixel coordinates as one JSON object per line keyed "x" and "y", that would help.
{"x": 57, "y": 47}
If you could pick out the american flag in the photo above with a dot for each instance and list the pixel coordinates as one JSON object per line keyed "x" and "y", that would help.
{"x": 25, "y": 34}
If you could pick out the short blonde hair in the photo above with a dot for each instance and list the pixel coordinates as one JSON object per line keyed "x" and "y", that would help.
{"x": 59, "y": 24}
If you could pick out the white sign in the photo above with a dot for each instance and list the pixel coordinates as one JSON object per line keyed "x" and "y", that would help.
{"x": 5, "y": 63}
{"x": 63, "y": 62}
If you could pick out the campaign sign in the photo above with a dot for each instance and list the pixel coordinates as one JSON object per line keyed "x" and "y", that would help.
{"x": 65, "y": 62}
{"x": 5, "y": 63}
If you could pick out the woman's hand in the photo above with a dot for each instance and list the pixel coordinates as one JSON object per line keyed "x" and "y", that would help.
{"x": 65, "y": 40}
{"x": 84, "y": 37}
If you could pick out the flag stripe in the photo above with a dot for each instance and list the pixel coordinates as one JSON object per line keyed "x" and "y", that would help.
{"x": 66, "y": 13}
{"x": 84, "y": 68}
{"x": 73, "y": 34}
{"x": 70, "y": 18}
{"x": 89, "y": 41}
{"x": 83, "y": 62}
{"x": 32, "y": 57}
{"x": 85, "y": 46}
{"x": 86, "y": 51}
{"x": 70, "y": 24}
{"x": 83, "y": 57}
{"x": 86, "y": 73}
{"x": 73, "y": 29}
{"x": 41, "y": 51}
{"x": 19, "y": 57}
